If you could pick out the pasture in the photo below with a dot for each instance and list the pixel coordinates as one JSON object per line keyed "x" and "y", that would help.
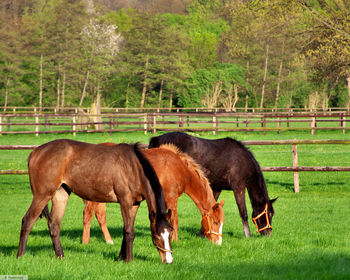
{"x": 310, "y": 237}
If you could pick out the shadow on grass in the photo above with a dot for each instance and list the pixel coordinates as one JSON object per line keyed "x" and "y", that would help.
{"x": 95, "y": 232}
{"x": 311, "y": 265}
{"x": 290, "y": 186}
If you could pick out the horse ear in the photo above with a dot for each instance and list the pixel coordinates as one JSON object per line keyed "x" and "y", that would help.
{"x": 222, "y": 202}
{"x": 152, "y": 216}
{"x": 273, "y": 200}
{"x": 168, "y": 214}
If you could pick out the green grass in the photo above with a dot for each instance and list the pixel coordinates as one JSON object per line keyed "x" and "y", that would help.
{"x": 310, "y": 238}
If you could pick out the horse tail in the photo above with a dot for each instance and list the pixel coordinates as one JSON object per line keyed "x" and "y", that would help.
{"x": 45, "y": 213}
{"x": 153, "y": 180}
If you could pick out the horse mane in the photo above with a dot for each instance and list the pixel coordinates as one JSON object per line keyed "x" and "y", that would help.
{"x": 153, "y": 180}
{"x": 190, "y": 163}
{"x": 261, "y": 180}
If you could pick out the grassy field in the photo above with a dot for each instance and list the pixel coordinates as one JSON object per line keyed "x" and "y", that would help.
{"x": 310, "y": 238}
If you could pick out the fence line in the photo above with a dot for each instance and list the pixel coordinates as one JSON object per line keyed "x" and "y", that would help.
{"x": 75, "y": 110}
{"x": 153, "y": 122}
{"x": 295, "y": 168}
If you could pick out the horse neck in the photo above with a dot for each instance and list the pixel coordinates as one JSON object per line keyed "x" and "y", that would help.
{"x": 198, "y": 188}
{"x": 257, "y": 192}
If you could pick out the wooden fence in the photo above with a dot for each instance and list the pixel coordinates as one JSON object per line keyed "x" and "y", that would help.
{"x": 295, "y": 168}
{"x": 75, "y": 110}
{"x": 152, "y": 122}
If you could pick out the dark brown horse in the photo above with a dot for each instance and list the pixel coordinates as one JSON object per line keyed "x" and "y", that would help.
{"x": 178, "y": 173}
{"x": 118, "y": 173}
{"x": 228, "y": 165}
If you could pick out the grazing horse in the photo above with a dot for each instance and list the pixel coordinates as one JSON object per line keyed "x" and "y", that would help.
{"x": 228, "y": 165}
{"x": 118, "y": 173}
{"x": 178, "y": 173}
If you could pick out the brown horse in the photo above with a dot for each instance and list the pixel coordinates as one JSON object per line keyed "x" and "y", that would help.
{"x": 118, "y": 173}
{"x": 228, "y": 165}
{"x": 178, "y": 173}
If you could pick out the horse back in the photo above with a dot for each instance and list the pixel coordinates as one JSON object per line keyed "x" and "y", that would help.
{"x": 93, "y": 172}
{"x": 225, "y": 162}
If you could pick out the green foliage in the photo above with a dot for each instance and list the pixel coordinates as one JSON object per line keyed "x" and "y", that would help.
{"x": 203, "y": 80}
{"x": 177, "y": 48}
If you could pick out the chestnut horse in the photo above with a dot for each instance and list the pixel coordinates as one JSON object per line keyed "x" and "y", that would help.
{"x": 228, "y": 165}
{"x": 118, "y": 173}
{"x": 178, "y": 173}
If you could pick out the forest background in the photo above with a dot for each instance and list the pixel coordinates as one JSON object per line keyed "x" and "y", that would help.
{"x": 183, "y": 53}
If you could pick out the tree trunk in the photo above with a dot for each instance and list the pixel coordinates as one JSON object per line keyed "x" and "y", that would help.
{"x": 279, "y": 78}
{"x": 58, "y": 93}
{"x": 58, "y": 87}
{"x": 160, "y": 94}
{"x": 264, "y": 80}
{"x": 83, "y": 94}
{"x": 171, "y": 98}
{"x": 7, "y": 93}
{"x": 246, "y": 90}
{"x": 41, "y": 84}
{"x": 127, "y": 97}
{"x": 63, "y": 88}
{"x": 144, "y": 87}
{"x": 348, "y": 82}
{"x": 278, "y": 83}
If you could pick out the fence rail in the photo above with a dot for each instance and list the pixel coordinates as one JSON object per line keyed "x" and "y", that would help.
{"x": 152, "y": 122}
{"x": 295, "y": 168}
{"x": 75, "y": 110}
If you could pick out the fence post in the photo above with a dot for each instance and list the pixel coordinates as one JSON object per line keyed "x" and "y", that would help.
{"x": 180, "y": 121}
{"x": 145, "y": 124}
{"x": 154, "y": 130}
{"x": 279, "y": 125}
{"x": 110, "y": 125}
{"x": 344, "y": 125}
{"x": 342, "y": 122}
{"x": 295, "y": 164}
{"x": 214, "y": 124}
{"x": 37, "y": 126}
{"x": 246, "y": 124}
{"x": 312, "y": 125}
{"x": 0, "y": 125}
{"x": 74, "y": 126}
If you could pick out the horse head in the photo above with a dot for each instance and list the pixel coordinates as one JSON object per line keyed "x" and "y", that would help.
{"x": 263, "y": 219}
{"x": 161, "y": 235}
{"x": 212, "y": 223}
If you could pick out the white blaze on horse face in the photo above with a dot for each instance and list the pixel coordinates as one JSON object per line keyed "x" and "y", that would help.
{"x": 166, "y": 237}
{"x": 219, "y": 242}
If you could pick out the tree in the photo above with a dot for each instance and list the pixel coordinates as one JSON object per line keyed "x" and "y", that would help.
{"x": 328, "y": 50}
{"x": 10, "y": 53}
{"x": 214, "y": 87}
{"x": 262, "y": 37}
{"x": 101, "y": 43}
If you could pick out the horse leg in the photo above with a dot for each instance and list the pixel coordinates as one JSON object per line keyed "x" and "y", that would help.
{"x": 216, "y": 194}
{"x": 242, "y": 208}
{"x": 88, "y": 214}
{"x": 35, "y": 209}
{"x": 102, "y": 220}
{"x": 128, "y": 214}
{"x": 59, "y": 202}
{"x": 174, "y": 219}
